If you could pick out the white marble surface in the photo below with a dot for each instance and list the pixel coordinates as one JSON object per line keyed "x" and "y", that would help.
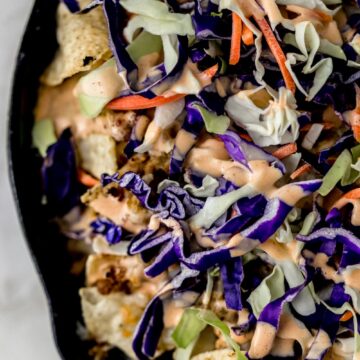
{"x": 25, "y": 332}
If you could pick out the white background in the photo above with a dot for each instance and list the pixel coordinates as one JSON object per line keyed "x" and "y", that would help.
{"x": 25, "y": 332}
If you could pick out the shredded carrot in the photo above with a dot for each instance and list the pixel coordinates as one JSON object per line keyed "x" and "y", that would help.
{"x": 355, "y": 119}
{"x": 309, "y": 14}
{"x": 326, "y": 126}
{"x": 353, "y": 194}
{"x": 246, "y": 137}
{"x": 247, "y": 36}
{"x": 138, "y": 102}
{"x": 209, "y": 73}
{"x": 277, "y": 52}
{"x": 235, "y": 50}
{"x": 356, "y": 131}
{"x": 347, "y": 316}
{"x": 285, "y": 151}
{"x": 86, "y": 179}
{"x": 233, "y": 213}
{"x": 300, "y": 171}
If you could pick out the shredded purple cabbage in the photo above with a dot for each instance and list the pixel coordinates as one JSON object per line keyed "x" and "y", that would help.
{"x": 112, "y": 232}
{"x": 60, "y": 175}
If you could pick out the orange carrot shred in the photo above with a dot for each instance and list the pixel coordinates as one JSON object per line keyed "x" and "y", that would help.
{"x": 347, "y": 316}
{"x": 246, "y": 137}
{"x": 86, "y": 179}
{"x": 235, "y": 49}
{"x": 247, "y": 36}
{"x": 210, "y": 72}
{"x": 301, "y": 170}
{"x": 277, "y": 52}
{"x": 285, "y": 151}
{"x": 356, "y": 131}
{"x": 327, "y": 126}
{"x": 138, "y": 102}
{"x": 353, "y": 194}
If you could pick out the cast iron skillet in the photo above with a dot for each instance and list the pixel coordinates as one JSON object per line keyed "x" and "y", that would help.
{"x": 47, "y": 246}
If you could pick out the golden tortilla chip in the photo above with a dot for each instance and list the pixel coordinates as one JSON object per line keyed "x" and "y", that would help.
{"x": 112, "y": 318}
{"x": 98, "y": 154}
{"x": 83, "y": 44}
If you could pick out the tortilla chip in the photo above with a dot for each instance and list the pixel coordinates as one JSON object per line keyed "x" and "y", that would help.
{"x": 224, "y": 354}
{"x": 98, "y": 154}
{"x": 112, "y": 318}
{"x": 83, "y": 44}
{"x": 129, "y": 269}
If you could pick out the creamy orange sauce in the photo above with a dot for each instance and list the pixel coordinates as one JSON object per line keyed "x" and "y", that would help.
{"x": 321, "y": 343}
{"x": 203, "y": 241}
{"x": 61, "y": 106}
{"x": 262, "y": 341}
{"x": 240, "y": 246}
{"x": 172, "y": 314}
{"x": 350, "y": 276}
{"x": 102, "y": 82}
{"x": 243, "y": 316}
{"x": 323, "y": 23}
{"x": 272, "y": 11}
{"x": 243, "y": 338}
{"x": 184, "y": 141}
{"x": 276, "y": 250}
{"x": 320, "y": 261}
{"x": 283, "y": 348}
{"x": 291, "y": 328}
{"x": 174, "y": 308}
{"x": 141, "y": 126}
{"x": 146, "y": 63}
{"x": 120, "y": 213}
{"x": 210, "y": 157}
{"x": 191, "y": 79}
{"x": 355, "y": 215}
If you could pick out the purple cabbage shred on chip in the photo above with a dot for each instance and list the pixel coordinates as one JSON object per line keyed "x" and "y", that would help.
{"x": 112, "y": 232}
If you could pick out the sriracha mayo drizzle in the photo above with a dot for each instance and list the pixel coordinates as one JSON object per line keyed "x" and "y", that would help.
{"x": 211, "y": 158}
{"x": 355, "y": 216}
{"x": 262, "y": 340}
{"x": 120, "y": 213}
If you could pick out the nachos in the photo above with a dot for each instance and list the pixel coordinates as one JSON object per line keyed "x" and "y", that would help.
{"x": 205, "y": 157}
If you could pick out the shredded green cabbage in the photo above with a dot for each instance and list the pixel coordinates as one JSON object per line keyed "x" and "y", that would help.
{"x": 98, "y": 87}
{"x": 336, "y": 172}
{"x": 304, "y": 303}
{"x": 209, "y": 318}
{"x": 192, "y": 323}
{"x": 188, "y": 329}
{"x": 326, "y": 47}
{"x": 217, "y": 124}
{"x": 154, "y": 17}
{"x": 308, "y": 42}
{"x": 185, "y": 354}
{"x": 215, "y": 206}
{"x": 277, "y": 124}
{"x": 352, "y": 173}
{"x": 208, "y": 187}
{"x": 144, "y": 44}
{"x": 339, "y": 311}
{"x": 43, "y": 135}
{"x": 271, "y": 288}
{"x": 309, "y": 223}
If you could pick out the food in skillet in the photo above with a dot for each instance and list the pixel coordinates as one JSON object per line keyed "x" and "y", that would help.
{"x": 205, "y": 157}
